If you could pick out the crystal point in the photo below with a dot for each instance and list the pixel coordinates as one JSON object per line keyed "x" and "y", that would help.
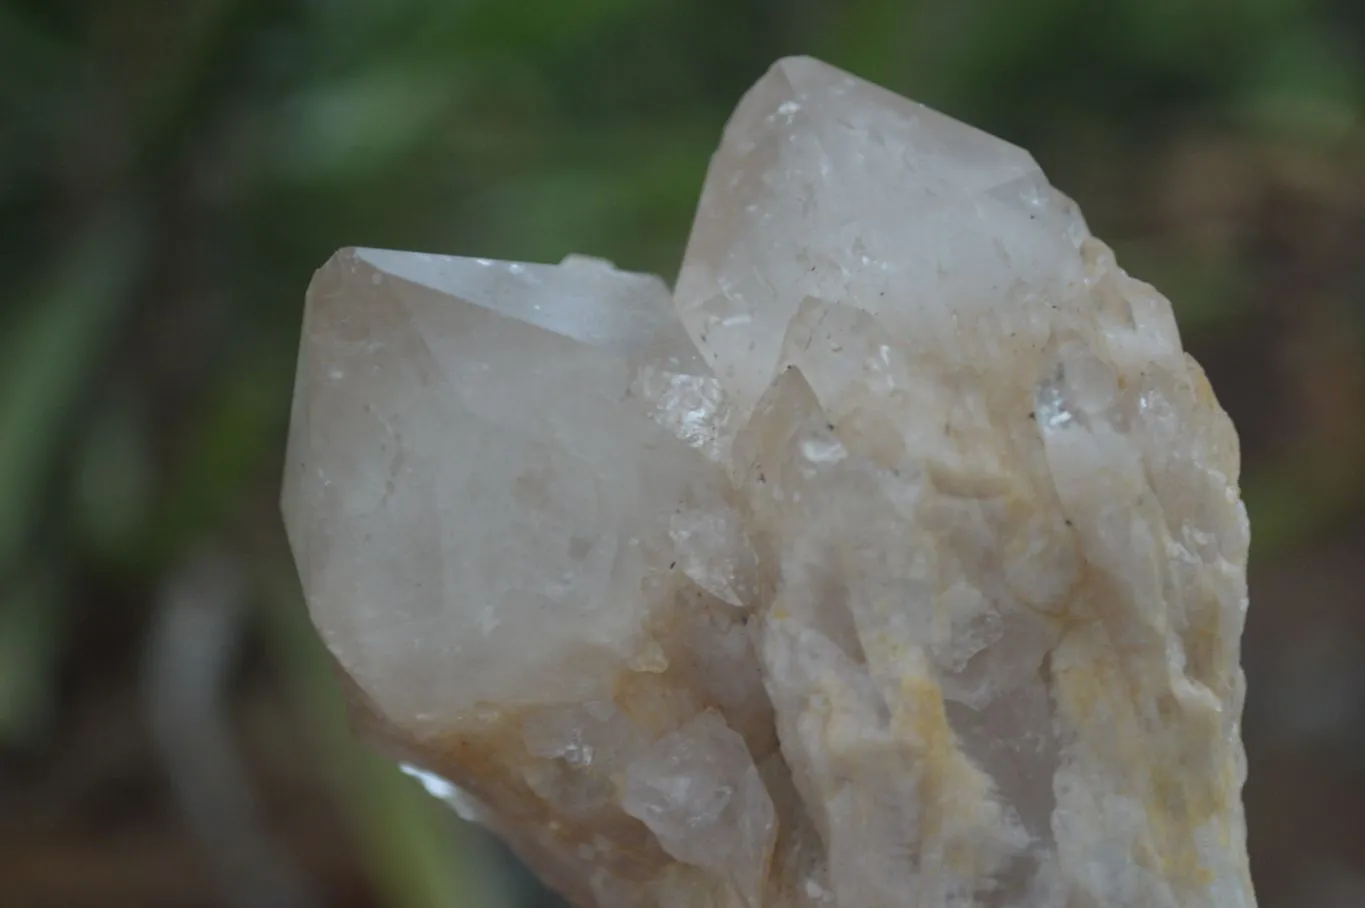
{"x": 829, "y": 187}
{"x": 897, "y": 560}
{"x": 465, "y": 465}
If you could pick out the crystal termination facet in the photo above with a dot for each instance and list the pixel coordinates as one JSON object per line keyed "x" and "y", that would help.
{"x": 897, "y": 560}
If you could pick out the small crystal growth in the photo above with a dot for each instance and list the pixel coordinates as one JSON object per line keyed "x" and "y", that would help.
{"x": 896, "y": 561}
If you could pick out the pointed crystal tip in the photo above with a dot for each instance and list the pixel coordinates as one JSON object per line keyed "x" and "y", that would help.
{"x": 897, "y": 560}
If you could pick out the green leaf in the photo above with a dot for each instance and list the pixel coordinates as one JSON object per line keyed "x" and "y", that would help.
{"x": 359, "y": 125}
{"x": 112, "y": 488}
{"x": 48, "y": 358}
{"x": 223, "y": 448}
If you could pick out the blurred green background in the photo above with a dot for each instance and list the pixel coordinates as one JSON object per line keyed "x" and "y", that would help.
{"x": 172, "y": 172}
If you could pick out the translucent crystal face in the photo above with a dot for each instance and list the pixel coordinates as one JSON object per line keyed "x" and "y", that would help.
{"x": 467, "y": 468}
{"x": 829, "y": 187}
{"x": 898, "y": 561}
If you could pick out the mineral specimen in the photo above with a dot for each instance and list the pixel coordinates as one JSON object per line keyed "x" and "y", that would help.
{"x": 897, "y": 562}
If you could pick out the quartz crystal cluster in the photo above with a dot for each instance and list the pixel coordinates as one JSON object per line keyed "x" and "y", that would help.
{"x": 895, "y": 560}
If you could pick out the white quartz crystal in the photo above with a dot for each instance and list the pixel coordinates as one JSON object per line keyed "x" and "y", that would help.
{"x": 897, "y": 561}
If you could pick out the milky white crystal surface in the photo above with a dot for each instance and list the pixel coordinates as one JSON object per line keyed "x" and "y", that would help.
{"x": 896, "y": 561}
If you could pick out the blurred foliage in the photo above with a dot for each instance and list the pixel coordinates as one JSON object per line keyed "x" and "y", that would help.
{"x": 170, "y": 174}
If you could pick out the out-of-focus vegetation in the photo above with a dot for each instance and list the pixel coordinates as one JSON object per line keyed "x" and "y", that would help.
{"x": 171, "y": 173}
